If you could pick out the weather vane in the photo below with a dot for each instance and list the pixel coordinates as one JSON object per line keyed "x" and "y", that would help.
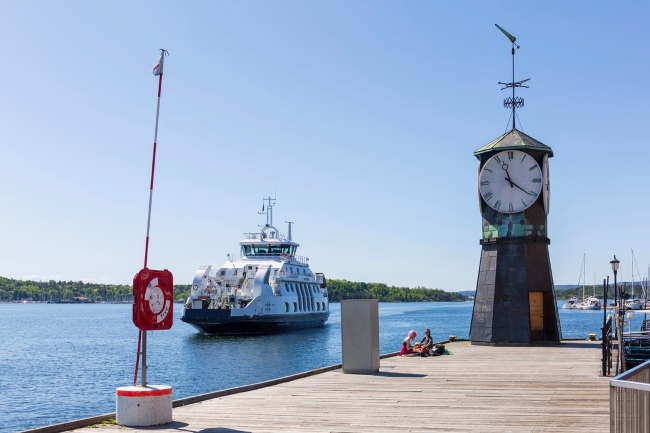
{"x": 512, "y": 102}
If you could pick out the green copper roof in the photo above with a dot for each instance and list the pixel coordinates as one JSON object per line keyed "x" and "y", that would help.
{"x": 514, "y": 139}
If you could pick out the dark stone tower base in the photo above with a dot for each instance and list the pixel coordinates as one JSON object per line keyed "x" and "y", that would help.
{"x": 515, "y": 299}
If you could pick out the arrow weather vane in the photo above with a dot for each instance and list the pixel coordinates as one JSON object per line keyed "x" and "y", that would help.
{"x": 513, "y": 102}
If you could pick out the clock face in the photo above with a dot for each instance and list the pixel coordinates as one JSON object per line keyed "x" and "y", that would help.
{"x": 546, "y": 185}
{"x": 156, "y": 300}
{"x": 510, "y": 181}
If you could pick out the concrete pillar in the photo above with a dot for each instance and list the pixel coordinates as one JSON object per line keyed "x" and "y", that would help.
{"x": 139, "y": 406}
{"x": 360, "y": 336}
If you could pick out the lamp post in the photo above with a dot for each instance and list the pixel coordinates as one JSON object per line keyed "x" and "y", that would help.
{"x": 615, "y": 264}
{"x": 618, "y": 313}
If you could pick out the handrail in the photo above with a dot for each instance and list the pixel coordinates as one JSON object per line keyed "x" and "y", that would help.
{"x": 300, "y": 259}
{"x": 629, "y": 400}
{"x": 607, "y": 347}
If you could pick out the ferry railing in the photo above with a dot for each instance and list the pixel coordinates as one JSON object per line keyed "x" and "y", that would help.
{"x": 300, "y": 259}
{"x": 629, "y": 401}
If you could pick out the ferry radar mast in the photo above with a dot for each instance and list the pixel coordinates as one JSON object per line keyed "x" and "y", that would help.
{"x": 269, "y": 211}
{"x": 289, "y": 230}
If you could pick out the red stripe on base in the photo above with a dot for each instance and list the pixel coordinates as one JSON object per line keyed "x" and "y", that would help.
{"x": 151, "y": 393}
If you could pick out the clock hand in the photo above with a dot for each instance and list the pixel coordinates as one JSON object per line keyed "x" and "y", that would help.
{"x": 505, "y": 167}
{"x": 512, "y": 183}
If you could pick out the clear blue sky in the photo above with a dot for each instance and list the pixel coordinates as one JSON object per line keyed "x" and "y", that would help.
{"x": 362, "y": 117}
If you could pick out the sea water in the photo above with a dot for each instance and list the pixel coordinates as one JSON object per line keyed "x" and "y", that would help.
{"x": 60, "y": 362}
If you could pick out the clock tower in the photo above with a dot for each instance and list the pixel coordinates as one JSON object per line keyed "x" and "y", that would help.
{"x": 515, "y": 299}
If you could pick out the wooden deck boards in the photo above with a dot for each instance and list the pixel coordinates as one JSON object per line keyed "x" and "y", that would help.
{"x": 475, "y": 389}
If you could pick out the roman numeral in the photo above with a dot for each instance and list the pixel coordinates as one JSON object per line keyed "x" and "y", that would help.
{"x": 537, "y": 180}
{"x": 497, "y": 205}
{"x": 487, "y": 169}
{"x": 522, "y": 159}
{"x": 485, "y": 182}
{"x": 496, "y": 158}
{"x": 524, "y": 203}
{"x": 511, "y": 155}
{"x": 532, "y": 167}
{"x": 510, "y": 208}
{"x": 533, "y": 193}
{"x": 488, "y": 196}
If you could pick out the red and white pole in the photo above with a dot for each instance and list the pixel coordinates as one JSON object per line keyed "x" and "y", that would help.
{"x": 158, "y": 70}
{"x": 142, "y": 336}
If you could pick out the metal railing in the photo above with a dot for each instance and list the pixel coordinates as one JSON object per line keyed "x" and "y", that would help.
{"x": 629, "y": 401}
{"x": 300, "y": 259}
{"x": 607, "y": 344}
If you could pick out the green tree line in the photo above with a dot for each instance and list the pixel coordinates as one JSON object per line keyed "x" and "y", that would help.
{"x": 342, "y": 289}
{"x": 18, "y": 290}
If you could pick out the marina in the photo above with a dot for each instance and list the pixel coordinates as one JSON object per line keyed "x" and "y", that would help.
{"x": 372, "y": 124}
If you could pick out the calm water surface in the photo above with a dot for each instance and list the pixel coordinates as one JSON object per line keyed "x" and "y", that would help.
{"x": 60, "y": 362}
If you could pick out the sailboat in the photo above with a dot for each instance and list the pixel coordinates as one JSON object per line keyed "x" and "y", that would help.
{"x": 632, "y": 303}
{"x": 592, "y": 302}
{"x": 586, "y": 303}
{"x": 575, "y": 303}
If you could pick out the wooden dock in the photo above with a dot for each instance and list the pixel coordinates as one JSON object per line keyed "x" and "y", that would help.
{"x": 474, "y": 389}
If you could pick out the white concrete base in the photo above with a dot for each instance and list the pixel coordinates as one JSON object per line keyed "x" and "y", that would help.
{"x": 139, "y": 406}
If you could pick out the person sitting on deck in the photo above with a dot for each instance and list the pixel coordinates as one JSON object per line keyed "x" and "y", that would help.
{"x": 427, "y": 342}
{"x": 409, "y": 343}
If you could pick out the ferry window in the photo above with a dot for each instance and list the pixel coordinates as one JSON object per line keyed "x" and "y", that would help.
{"x": 234, "y": 272}
{"x": 292, "y": 287}
{"x": 286, "y": 287}
{"x": 246, "y": 250}
{"x": 223, "y": 273}
{"x": 250, "y": 267}
{"x": 317, "y": 306}
{"x": 286, "y": 307}
{"x": 295, "y": 307}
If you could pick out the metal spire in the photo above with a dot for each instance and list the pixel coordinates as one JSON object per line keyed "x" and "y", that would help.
{"x": 512, "y": 102}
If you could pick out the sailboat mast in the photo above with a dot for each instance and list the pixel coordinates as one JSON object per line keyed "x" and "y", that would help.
{"x": 584, "y": 273}
{"x": 632, "y": 273}
{"x": 593, "y": 288}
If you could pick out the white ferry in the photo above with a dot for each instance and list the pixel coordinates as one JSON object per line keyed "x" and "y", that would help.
{"x": 268, "y": 289}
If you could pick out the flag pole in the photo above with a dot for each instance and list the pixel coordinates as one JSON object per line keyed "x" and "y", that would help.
{"x": 157, "y": 70}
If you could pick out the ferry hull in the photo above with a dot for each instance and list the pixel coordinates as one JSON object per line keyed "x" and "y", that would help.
{"x": 222, "y": 322}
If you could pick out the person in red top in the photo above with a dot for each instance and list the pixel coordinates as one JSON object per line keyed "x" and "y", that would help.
{"x": 409, "y": 343}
